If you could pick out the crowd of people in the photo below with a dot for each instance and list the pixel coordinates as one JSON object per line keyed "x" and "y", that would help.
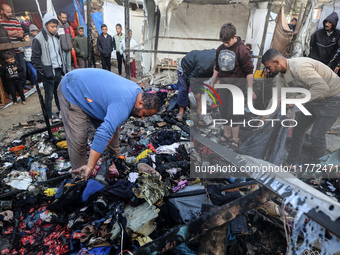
{"x": 48, "y": 57}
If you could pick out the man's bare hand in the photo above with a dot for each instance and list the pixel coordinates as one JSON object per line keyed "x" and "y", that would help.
{"x": 254, "y": 96}
{"x": 336, "y": 70}
{"x": 83, "y": 172}
{"x": 15, "y": 68}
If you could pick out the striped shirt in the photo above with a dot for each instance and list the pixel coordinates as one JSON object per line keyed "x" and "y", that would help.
{"x": 12, "y": 25}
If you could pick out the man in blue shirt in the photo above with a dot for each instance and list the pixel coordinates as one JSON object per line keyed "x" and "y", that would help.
{"x": 106, "y": 100}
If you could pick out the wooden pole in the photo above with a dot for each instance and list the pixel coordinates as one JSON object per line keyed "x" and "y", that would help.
{"x": 10, "y": 46}
{"x": 264, "y": 35}
{"x": 158, "y": 22}
{"x": 127, "y": 38}
{"x": 89, "y": 32}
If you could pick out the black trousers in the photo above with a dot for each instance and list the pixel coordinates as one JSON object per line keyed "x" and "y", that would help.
{"x": 15, "y": 86}
{"x": 120, "y": 60}
{"x": 106, "y": 63}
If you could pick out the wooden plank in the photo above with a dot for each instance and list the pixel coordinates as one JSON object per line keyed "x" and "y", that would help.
{"x": 10, "y": 46}
{"x": 2, "y": 94}
{"x": 264, "y": 35}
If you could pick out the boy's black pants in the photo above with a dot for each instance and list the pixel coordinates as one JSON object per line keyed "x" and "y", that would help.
{"x": 106, "y": 63}
{"x": 15, "y": 86}
{"x": 120, "y": 59}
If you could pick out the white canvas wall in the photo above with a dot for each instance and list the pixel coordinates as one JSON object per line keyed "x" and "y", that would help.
{"x": 200, "y": 21}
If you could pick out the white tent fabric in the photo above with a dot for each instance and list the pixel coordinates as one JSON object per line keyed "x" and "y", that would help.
{"x": 38, "y": 5}
{"x": 255, "y": 30}
{"x": 50, "y": 8}
{"x": 302, "y": 46}
{"x": 328, "y": 9}
{"x": 113, "y": 14}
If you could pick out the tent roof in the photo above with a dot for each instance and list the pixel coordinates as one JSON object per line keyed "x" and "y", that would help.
{"x": 20, "y": 6}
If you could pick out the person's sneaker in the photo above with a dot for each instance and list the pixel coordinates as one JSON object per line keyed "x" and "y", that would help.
{"x": 28, "y": 82}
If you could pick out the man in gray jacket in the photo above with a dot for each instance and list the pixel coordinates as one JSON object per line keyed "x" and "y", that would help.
{"x": 48, "y": 61}
{"x": 64, "y": 31}
{"x": 324, "y": 104}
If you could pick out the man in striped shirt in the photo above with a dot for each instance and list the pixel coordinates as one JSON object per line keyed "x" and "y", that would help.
{"x": 15, "y": 34}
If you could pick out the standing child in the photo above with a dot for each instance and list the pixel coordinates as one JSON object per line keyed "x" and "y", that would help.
{"x": 12, "y": 70}
{"x": 132, "y": 55}
{"x": 233, "y": 65}
{"x": 47, "y": 58}
{"x": 105, "y": 47}
{"x": 28, "y": 55}
{"x": 80, "y": 46}
{"x": 117, "y": 40}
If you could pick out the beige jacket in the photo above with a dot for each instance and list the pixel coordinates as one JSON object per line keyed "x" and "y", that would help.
{"x": 310, "y": 74}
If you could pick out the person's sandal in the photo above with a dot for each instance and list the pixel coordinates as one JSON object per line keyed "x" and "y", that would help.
{"x": 233, "y": 145}
{"x": 225, "y": 139}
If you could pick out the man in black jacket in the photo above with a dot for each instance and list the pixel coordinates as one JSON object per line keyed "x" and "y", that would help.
{"x": 196, "y": 64}
{"x": 325, "y": 42}
{"x": 105, "y": 47}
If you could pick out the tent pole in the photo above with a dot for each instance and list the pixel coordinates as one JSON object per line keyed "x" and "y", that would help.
{"x": 127, "y": 39}
{"x": 89, "y": 32}
{"x": 158, "y": 20}
{"x": 264, "y": 35}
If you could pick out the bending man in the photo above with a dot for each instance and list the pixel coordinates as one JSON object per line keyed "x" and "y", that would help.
{"x": 324, "y": 105}
{"x": 106, "y": 100}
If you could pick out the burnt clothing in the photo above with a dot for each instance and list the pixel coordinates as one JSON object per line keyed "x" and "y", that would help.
{"x": 243, "y": 64}
{"x": 323, "y": 45}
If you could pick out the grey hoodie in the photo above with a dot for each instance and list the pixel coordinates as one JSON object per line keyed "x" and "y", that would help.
{"x": 46, "y": 51}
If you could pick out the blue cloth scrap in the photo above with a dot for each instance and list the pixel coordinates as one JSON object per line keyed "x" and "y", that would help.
{"x": 98, "y": 20}
{"x": 92, "y": 187}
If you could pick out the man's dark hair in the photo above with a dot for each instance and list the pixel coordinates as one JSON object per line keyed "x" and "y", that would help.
{"x": 25, "y": 34}
{"x": 270, "y": 55}
{"x": 151, "y": 101}
{"x": 118, "y": 25}
{"x": 103, "y": 25}
{"x": 293, "y": 19}
{"x": 62, "y": 12}
{"x": 227, "y": 32}
{"x": 8, "y": 55}
{"x": 54, "y": 21}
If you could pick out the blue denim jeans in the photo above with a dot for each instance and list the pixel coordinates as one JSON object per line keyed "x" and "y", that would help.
{"x": 67, "y": 60}
{"x": 34, "y": 75}
{"x": 183, "y": 90}
{"x": 324, "y": 114}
